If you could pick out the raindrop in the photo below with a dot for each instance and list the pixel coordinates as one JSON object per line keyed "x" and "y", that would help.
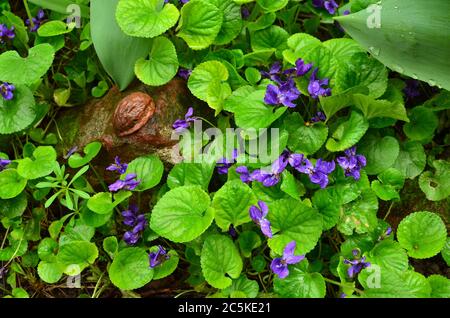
{"x": 432, "y": 82}
{"x": 414, "y": 76}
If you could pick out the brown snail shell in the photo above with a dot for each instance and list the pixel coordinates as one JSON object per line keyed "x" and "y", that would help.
{"x": 132, "y": 113}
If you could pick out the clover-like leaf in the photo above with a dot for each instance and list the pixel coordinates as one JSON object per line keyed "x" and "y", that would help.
{"x": 162, "y": 64}
{"x": 231, "y": 204}
{"x": 149, "y": 171}
{"x": 436, "y": 186}
{"x": 130, "y": 269}
{"x": 182, "y": 214}
{"x": 146, "y": 18}
{"x": 41, "y": 165}
{"x": 220, "y": 260}
{"x": 200, "y": 23}
{"x": 11, "y": 184}
{"x": 292, "y": 220}
{"x": 300, "y": 283}
{"x": 17, "y": 70}
{"x": 91, "y": 150}
{"x": 18, "y": 113}
{"x": 422, "y": 234}
{"x": 348, "y": 133}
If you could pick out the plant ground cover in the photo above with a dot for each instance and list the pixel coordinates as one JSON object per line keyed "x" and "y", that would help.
{"x": 224, "y": 148}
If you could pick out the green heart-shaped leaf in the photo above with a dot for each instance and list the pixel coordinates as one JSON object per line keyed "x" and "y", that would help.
{"x": 219, "y": 259}
{"x": 17, "y": 70}
{"x": 11, "y": 184}
{"x": 146, "y": 18}
{"x": 42, "y": 164}
{"x": 422, "y": 234}
{"x": 130, "y": 269}
{"x": 90, "y": 152}
{"x": 292, "y": 220}
{"x": 162, "y": 64}
{"x": 200, "y": 23}
{"x": 231, "y": 204}
{"x": 18, "y": 113}
{"x": 182, "y": 214}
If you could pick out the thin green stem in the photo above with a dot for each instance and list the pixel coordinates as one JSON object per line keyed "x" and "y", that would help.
{"x": 27, "y": 9}
{"x": 388, "y": 212}
{"x": 343, "y": 285}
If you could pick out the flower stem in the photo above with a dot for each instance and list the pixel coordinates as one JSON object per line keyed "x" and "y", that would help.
{"x": 27, "y": 9}
{"x": 342, "y": 285}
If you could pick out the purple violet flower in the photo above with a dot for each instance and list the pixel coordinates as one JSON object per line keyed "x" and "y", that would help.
{"x": 129, "y": 183}
{"x": 412, "y": 89}
{"x": 245, "y": 12}
{"x": 352, "y": 163}
{"x": 135, "y": 220}
{"x": 317, "y": 174}
{"x": 273, "y": 73}
{"x": 224, "y": 164}
{"x": 258, "y": 215}
{"x": 284, "y": 94}
{"x": 184, "y": 73}
{"x": 157, "y": 258}
{"x": 232, "y": 232}
{"x": 244, "y": 174}
{"x": 6, "y": 90}
{"x": 280, "y": 265}
{"x": 271, "y": 177}
{"x": 121, "y": 168}
{"x": 318, "y": 117}
{"x": 181, "y": 124}
{"x": 4, "y": 163}
{"x": 301, "y": 68}
{"x": 315, "y": 86}
{"x": 357, "y": 264}
{"x": 6, "y": 33}
{"x": 37, "y": 21}
{"x": 329, "y": 5}
{"x": 386, "y": 234}
{"x": 71, "y": 151}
